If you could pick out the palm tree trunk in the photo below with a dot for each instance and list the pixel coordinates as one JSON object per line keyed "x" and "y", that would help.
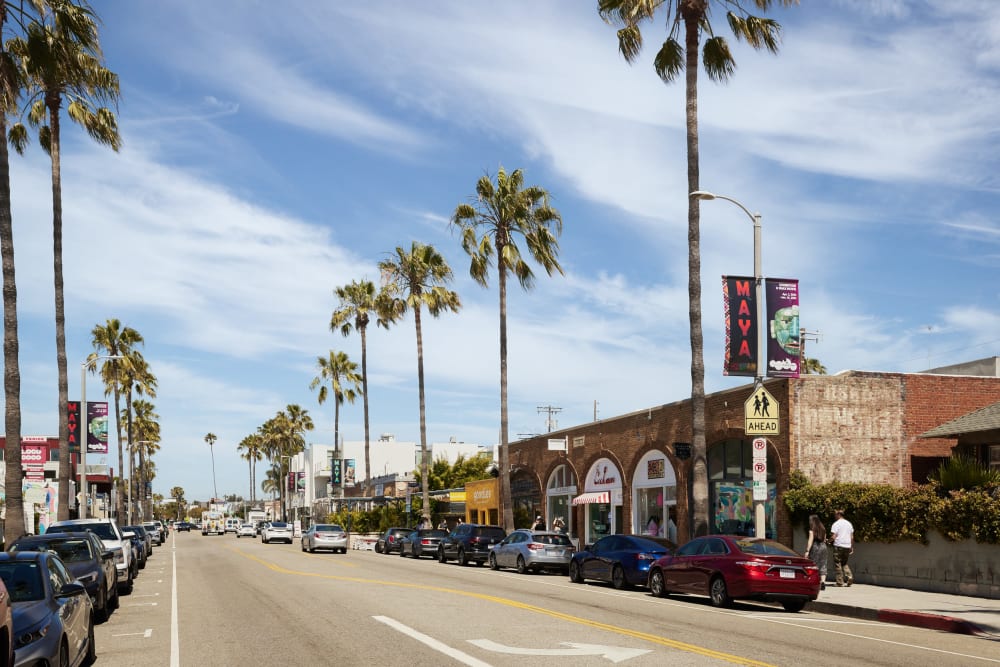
{"x": 364, "y": 389}
{"x": 336, "y": 440}
{"x": 120, "y": 509}
{"x": 505, "y": 495}
{"x": 57, "y": 270}
{"x": 424, "y": 481}
{"x": 13, "y": 475}
{"x": 700, "y": 514}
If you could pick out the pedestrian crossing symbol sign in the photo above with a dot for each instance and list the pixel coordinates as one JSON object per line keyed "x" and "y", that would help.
{"x": 761, "y": 413}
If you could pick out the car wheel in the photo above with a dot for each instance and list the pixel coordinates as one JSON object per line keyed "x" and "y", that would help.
{"x": 115, "y": 601}
{"x": 402, "y": 552}
{"x": 265, "y": 540}
{"x": 303, "y": 545}
{"x": 618, "y": 577}
{"x": 493, "y": 562}
{"x": 378, "y": 549}
{"x": 102, "y": 610}
{"x": 522, "y": 567}
{"x": 574, "y": 573}
{"x": 657, "y": 586}
{"x": 718, "y": 593}
{"x": 462, "y": 559}
{"x": 794, "y": 606}
{"x": 63, "y": 654}
{"x": 91, "y": 645}
{"x": 441, "y": 558}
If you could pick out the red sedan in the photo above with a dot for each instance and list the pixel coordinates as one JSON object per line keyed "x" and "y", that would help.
{"x": 728, "y": 567}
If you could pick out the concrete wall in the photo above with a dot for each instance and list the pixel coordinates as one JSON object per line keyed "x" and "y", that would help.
{"x": 958, "y": 568}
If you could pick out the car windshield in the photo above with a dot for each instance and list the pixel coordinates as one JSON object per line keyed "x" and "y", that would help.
{"x": 653, "y": 544}
{"x": 279, "y": 524}
{"x": 484, "y": 531}
{"x": 432, "y": 532}
{"x": 556, "y": 539}
{"x": 102, "y": 530}
{"x": 764, "y": 548}
{"x": 23, "y": 581}
{"x": 329, "y": 528}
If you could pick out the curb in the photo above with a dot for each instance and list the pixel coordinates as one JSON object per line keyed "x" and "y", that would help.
{"x": 899, "y": 617}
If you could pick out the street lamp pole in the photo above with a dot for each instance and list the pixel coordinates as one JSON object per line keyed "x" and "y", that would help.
{"x": 759, "y": 515}
{"x": 84, "y": 432}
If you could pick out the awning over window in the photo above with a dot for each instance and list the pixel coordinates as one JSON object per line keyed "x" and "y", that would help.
{"x": 595, "y": 497}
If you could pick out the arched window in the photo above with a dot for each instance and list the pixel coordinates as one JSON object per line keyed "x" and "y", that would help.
{"x": 559, "y": 492}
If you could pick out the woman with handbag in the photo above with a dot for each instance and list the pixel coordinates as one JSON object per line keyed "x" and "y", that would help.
{"x": 816, "y": 549}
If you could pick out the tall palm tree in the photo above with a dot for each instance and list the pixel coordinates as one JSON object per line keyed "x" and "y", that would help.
{"x": 111, "y": 340}
{"x": 146, "y": 442}
{"x": 418, "y": 278}
{"x": 137, "y": 380}
{"x": 490, "y": 225}
{"x": 686, "y": 20}
{"x": 342, "y": 374}
{"x": 357, "y": 300}
{"x": 210, "y": 439}
{"x": 177, "y": 493}
{"x": 61, "y": 59}
{"x": 253, "y": 452}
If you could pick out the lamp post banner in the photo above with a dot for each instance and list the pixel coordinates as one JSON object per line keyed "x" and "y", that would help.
{"x": 783, "y": 346}
{"x": 740, "y": 301}
{"x": 97, "y": 427}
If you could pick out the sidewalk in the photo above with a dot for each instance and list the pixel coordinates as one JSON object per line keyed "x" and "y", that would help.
{"x": 937, "y": 611}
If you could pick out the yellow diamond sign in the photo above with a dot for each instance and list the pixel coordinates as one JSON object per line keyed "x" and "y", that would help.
{"x": 761, "y": 413}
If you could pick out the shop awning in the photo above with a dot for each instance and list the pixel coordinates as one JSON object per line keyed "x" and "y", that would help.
{"x": 595, "y": 497}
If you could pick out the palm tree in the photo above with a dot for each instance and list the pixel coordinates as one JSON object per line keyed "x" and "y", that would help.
{"x": 210, "y": 438}
{"x": 61, "y": 59}
{"x": 113, "y": 340}
{"x": 419, "y": 277}
{"x": 342, "y": 374}
{"x": 253, "y": 452}
{"x": 146, "y": 429}
{"x": 137, "y": 380}
{"x": 691, "y": 17}
{"x": 177, "y": 493}
{"x": 812, "y": 366}
{"x": 502, "y": 212}
{"x": 357, "y": 300}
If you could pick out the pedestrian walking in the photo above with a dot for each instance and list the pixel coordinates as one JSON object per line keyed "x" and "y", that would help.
{"x": 816, "y": 549}
{"x": 843, "y": 546}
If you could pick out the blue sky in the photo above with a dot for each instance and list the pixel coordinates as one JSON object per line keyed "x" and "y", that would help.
{"x": 270, "y": 157}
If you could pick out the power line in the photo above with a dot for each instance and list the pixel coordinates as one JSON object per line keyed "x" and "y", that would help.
{"x": 550, "y": 422}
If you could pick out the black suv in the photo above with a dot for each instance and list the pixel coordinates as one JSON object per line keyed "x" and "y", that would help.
{"x": 389, "y": 540}
{"x": 470, "y": 542}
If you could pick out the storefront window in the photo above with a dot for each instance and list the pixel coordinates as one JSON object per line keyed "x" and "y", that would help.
{"x": 559, "y": 492}
{"x": 655, "y": 496}
{"x": 731, "y": 489}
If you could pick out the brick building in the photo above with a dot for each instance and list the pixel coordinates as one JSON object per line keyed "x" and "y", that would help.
{"x": 857, "y": 426}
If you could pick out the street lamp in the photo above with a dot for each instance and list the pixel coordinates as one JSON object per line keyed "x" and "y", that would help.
{"x": 759, "y": 280}
{"x": 84, "y": 431}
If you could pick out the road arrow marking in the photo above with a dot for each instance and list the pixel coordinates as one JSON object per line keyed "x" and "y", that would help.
{"x": 612, "y": 653}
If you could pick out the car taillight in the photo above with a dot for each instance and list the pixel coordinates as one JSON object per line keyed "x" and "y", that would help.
{"x": 754, "y": 566}
{"x": 535, "y": 546}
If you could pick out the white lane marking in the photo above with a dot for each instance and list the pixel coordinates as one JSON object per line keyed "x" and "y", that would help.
{"x": 143, "y": 604}
{"x": 175, "y": 644}
{"x": 147, "y": 634}
{"x": 441, "y": 647}
{"x": 612, "y": 653}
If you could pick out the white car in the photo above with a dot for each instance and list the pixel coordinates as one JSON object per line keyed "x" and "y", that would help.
{"x": 246, "y": 530}
{"x": 276, "y": 531}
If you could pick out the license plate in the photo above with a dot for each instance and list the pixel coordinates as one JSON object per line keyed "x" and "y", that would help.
{"x": 787, "y": 574}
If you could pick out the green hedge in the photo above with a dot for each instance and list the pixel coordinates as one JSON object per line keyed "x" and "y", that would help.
{"x": 883, "y": 513}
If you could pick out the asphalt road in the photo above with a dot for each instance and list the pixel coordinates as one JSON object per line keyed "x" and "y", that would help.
{"x": 219, "y": 600}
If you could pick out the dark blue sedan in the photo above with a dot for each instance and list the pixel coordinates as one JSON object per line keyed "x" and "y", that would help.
{"x": 53, "y": 616}
{"x": 623, "y": 560}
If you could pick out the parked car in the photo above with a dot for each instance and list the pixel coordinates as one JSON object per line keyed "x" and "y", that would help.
{"x": 246, "y": 530}
{"x": 183, "y": 526}
{"x": 623, "y": 560}
{"x": 6, "y": 627}
{"x": 147, "y": 539}
{"x": 52, "y": 612}
{"x": 111, "y": 536}
{"x": 469, "y": 543}
{"x": 154, "y": 532}
{"x": 389, "y": 540}
{"x": 276, "y": 531}
{"x": 164, "y": 530}
{"x": 530, "y": 550}
{"x": 730, "y": 567}
{"x": 138, "y": 545}
{"x": 87, "y": 560}
{"x": 423, "y": 542}
{"x": 324, "y": 536}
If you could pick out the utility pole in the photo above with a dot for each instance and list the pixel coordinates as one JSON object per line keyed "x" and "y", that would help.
{"x": 549, "y": 421}
{"x": 595, "y": 410}
{"x": 804, "y": 335}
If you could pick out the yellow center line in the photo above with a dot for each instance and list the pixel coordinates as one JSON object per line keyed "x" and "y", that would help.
{"x": 645, "y": 636}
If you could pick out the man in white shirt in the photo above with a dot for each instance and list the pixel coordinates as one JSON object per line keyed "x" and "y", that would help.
{"x": 843, "y": 546}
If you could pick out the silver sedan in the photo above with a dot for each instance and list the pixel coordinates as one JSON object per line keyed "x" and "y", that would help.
{"x": 528, "y": 550}
{"x": 324, "y": 536}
